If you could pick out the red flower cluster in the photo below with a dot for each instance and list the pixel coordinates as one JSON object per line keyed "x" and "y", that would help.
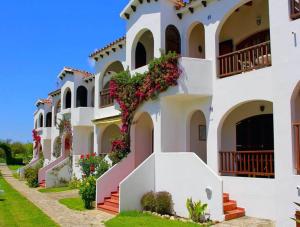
{"x": 87, "y": 156}
{"x": 131, "y": 92}
{"x": 36, "y": 138}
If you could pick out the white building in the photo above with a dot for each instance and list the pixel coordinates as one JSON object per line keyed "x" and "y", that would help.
{"x": 231, "y": 125}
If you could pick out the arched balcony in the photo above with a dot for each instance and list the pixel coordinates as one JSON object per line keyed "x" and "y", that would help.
{"x": 57, "y": 110}
{"x": 143, "y": 49}
{"x": 172, "y": 39}
{"x": 112, "y": 69}
{"x": 244, "y": 39}
{"x": 196, "y": 41}
{"x": 41, "y": 121}
{"x": 49, "y": 120}
{"x": 68, "y": 99}
{"x": 110, "y": 133}
{"x": 247, "y": 141}
{"x": 81, "y": 96}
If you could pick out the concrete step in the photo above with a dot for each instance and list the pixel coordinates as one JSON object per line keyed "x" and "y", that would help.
{"x": 233, "y": 214}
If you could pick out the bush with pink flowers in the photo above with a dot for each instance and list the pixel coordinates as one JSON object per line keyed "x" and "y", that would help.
{"x": 131, "y": 92}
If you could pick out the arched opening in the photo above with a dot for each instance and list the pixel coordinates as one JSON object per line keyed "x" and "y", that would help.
{"x": 198, "y": 133}
{"x": 81, "y": 96}
{"x": 244, "y": 39}
{"x": 49, "y": 120}
{"x": 172, "y": 39}
{"x": 196, "y": 45}
{"x": 67, "y": 145}
{"x": 57, "y": 148}
{"x": 247, "y": 141}
{"x": 93, "y": 97}
{"x": 57, "y": 110}
{"x": 41, "y": 121}
{"x": 112, "y": 69}
{"x": 110, "y": 133}
{"x": 295, "y": 104}
{"x": 144, "y": 50}
{"x": 68, "y": 99}
{"x": 143, "y": 138}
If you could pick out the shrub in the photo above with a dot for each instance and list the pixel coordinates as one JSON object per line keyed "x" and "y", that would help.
{"x": 297, "y": 215}
{"x": 196, "y": 210}
{"x": 87, "y": 191}
{"x": 74, "y": 183}
{"x": 164, "y": 203}
{"x": 148, "y": 201}
{"x": 101, "y": 167}
{"x": 31, "y": 176}
{"x": 88, "y": 164}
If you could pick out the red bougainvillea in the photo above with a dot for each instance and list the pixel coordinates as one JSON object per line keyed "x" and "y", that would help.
{"x": 36, "y": 139}
{"x": 132, "y": 91}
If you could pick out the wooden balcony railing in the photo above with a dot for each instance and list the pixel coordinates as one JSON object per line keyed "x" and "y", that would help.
{"x": 105, "y": 99}
{"x": 297, "y": 146}
{"x": 295, "y": 9}
{"x": 251, "y": 58}
{"x": 247, "y": 163}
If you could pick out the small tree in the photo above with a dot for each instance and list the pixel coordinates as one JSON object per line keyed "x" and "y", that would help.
{"x": 196, "y": 210}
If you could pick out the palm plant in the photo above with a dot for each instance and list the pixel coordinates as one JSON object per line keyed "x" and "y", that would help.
{"x": 196, "y": 210}
{"x": 297, "y": 219}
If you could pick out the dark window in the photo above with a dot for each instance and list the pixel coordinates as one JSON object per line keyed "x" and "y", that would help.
{"x": 173, "y": 40}
{"x": 140, "y": 55}
{"x": 68, "y": 99}
{"x": 49, "y": 119}
{"x": 255, "y": 133}
{"x": 41, "y": 122}
{"x": 81, "y": 97}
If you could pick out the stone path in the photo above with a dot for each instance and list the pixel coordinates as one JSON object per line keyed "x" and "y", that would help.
{"x": 49, "y": 204}
{"x": 247, "y": 222}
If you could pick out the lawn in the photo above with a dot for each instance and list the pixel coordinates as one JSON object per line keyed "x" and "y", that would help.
{"x": 15, "y": 167}
{"x": 138, "y": 219}
{"x": 15, "y": 210}
{"x": 57, "y": 189}
{"x": 73, "y": 203}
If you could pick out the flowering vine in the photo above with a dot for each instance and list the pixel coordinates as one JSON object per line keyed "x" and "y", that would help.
{"x": 132, "y": 91}
{"x": 37, "y": 141}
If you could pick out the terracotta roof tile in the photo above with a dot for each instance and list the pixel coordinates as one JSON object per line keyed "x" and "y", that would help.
{"x": 95, "y": 53}
{"x": 81, "y": 72}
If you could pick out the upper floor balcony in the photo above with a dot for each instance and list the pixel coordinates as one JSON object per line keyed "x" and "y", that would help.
{"x": 82, "y": 116}
{"x": 244, "y": 40}
{"x": 295, "y": 9}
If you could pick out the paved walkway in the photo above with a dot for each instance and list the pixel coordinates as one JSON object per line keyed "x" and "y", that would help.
{"x": 49, "y": 205}
{"x": 246, "y": 222}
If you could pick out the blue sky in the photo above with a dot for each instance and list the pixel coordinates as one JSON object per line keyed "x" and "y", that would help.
{"x": 37, "y": 39}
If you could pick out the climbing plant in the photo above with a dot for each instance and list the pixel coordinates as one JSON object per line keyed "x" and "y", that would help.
{"x": 130, "y": 92}
{"x": 65, "y": 131}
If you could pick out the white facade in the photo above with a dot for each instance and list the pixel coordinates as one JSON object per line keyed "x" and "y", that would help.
{"x": 215, "y": 95}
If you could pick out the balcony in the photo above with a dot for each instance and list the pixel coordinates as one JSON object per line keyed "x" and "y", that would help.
{"x": 247, "y": 163}
{"x": 82, "y": 116}
{"x": 105, "y": 99}
{"x": 245, "y": 60}
{"x": 297, "y": 146}
{"x": 47, "y": 133}
{"x": 195, "y": 80}
{"x": 295, "y": 9}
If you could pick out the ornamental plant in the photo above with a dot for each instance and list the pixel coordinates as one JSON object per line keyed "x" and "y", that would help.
{"x": 196, "y": 210}
{"x": 130, "y": 92}
{"x": 88, "y": 163}
{"x": 87, "y": 191}
{"x": 297, "y": 215}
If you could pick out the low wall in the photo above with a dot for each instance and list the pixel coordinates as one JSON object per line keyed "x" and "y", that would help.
{"x": 59, "y": 174}
{"x": 184, "y": 175}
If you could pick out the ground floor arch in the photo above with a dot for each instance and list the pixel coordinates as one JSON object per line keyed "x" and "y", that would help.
{"x": 110, "y": 133}
{"x": 197, "y": 134}
{"x": 142, "y": 137}
{"x": 247, "y": 140}
{"x": 295, "y": 108}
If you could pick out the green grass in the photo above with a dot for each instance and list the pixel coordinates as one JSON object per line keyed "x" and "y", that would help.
{"x": 2, "y": 160}
{"x": 15, "y": 167}
{"x": 16, "y": 210}
{"x": 138, "y": 219}
{"x": 73, "y": 203}
{"x": 57, "y": 189}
